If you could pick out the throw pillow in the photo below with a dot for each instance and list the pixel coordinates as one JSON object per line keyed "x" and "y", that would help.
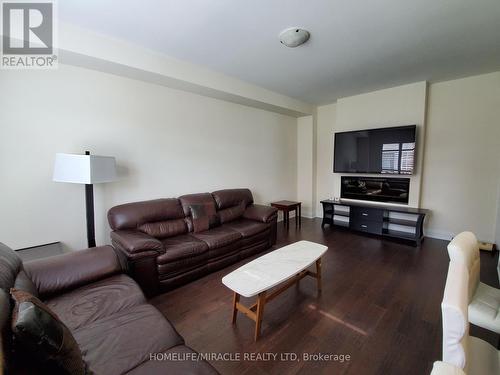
{"x": 38, "y": 332}
{"x": 201, "y": 221}
{"x": 214, "y": 220}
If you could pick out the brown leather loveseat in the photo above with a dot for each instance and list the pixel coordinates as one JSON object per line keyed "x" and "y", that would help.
{"x": 116, "y": 329}
{"x": 164, "y": 249}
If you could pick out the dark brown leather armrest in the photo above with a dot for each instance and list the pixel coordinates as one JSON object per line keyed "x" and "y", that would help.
{"x": 260, "y": 213}
{"x": 61, "y": 273}
{"x": 136, "y": 244}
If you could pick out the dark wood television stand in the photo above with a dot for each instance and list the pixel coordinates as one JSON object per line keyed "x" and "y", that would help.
{"x": 404, "y": 223}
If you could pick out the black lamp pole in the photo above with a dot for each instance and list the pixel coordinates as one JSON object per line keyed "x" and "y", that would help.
{"x": 89, "y": 205}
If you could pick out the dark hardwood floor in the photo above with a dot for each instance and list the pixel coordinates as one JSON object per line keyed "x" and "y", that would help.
{"x": 380, "y": 305}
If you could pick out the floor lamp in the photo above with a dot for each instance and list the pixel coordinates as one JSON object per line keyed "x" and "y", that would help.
{"x": 89, "y": 170}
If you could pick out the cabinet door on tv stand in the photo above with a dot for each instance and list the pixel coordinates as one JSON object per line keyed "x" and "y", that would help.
{"x": 367, "y": 213}
{"x": 374, "y": 227}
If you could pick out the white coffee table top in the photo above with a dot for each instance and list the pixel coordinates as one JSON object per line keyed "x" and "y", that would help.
{"x": 273, "y": 268}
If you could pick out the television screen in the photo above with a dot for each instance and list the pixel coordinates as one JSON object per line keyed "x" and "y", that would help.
{"x": 385, "y": 150}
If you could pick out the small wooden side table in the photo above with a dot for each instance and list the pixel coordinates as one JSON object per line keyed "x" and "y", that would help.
{"x": 286, "y": 207}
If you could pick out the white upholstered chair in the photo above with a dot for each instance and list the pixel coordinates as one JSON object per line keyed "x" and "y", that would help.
{"x": 483, "y": 300}
{"x": 443, "y": 368}
{"x": 462, "y": 352}
{"x": 498, "y": 269}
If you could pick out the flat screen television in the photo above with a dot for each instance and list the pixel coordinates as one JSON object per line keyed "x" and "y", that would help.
{"x": 383, "y": 150}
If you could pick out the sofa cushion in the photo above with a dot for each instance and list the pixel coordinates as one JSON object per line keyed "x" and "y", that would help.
{"x": 179, "y": 247}
{"x": 42, "y": 337}
{"x": 97, "y": 300}
{"x": 484, "y": 309}
{"x": 218, "y": 237}
{"x": 122, "y": 341}
{"x": 133, "y": 215}
{"x": 163, "y": 229}
{"x": 227, "y": 215}
{"x": 232, "y": 197}
{"x": 171, "y": 362}
{"x": 61, "y": 273}
{"x": 247, "y": 228}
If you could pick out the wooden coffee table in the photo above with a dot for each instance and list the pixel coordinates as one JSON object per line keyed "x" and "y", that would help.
{"x": 286, "y": 266}
{"x": 286, "y": 207}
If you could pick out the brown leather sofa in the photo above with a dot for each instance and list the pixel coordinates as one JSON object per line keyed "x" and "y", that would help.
{"x": 163, "y": 250}
{"x": 114, "y": 326}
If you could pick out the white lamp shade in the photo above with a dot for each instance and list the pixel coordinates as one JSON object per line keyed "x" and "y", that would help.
{"x": 84, "y": 169}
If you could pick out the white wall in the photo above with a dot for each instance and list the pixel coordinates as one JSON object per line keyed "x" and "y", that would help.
{"x": 497, "y": 230}
{"x": 166, "y": 143}
{"x": 325, "y": 125}
{"x": 402, "y": 105}
{"x": 170, "y": 142}
{"x": 462, "y": 157}
{"x": 305, "y": 164}
{"x": 458, "y": 175}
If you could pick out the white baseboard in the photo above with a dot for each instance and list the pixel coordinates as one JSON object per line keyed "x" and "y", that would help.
{"x": 444, "y": 235}
{"x": 438, "y": 234}
{"x": 292, "y": 216}
{"x": 307, "y": 215}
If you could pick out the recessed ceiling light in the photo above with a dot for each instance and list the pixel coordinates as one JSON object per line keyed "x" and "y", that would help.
{"x": 294, "y": 37}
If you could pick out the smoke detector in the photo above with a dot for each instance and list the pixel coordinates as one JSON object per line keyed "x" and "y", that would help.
{"x": 294, "y": 37}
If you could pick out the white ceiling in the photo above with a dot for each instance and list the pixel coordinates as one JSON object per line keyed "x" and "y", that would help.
{"x": 355, "y": 46}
